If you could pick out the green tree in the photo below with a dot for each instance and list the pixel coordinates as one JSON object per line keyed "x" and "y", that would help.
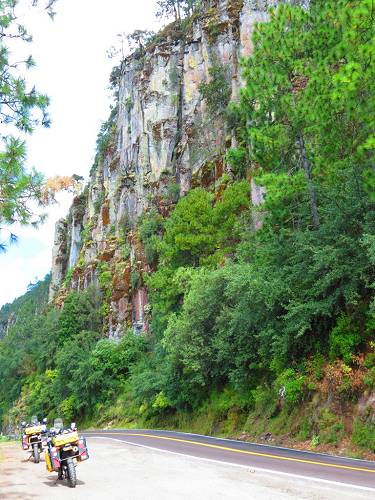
{"x": 80, "y": 312}
{"x": 21, "y": 108}
{"x": 199, "y": 228}
{"x": 176, "y": 8}
{"x": 217, "y": 91}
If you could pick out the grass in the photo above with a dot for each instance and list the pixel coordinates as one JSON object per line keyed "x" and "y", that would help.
{"x": 229, "y": 414}
{"x": 5, "y": 439}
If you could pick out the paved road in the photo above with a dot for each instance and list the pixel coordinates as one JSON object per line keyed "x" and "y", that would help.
{"x": 119, "y": 471}
{"x": 272, "y": 458}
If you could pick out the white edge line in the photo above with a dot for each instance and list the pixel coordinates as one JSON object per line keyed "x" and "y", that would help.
{"x": 271, "y": 471}
{"x": 237, "y": 441}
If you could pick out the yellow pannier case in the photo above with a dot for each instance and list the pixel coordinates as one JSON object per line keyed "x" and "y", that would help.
{"x": 37, "y": 429}
{"x": 62, "y": 439}
{"x": 48, "y": 461}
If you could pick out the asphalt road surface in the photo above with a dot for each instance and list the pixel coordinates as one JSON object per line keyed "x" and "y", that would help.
{"x": 127, "y": 466}
{"x": 270, "y": 458}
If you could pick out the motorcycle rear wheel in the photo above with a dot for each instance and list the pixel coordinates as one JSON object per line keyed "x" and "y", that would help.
{"x": 36, "y": 453}
{"x": 71, "y": 473}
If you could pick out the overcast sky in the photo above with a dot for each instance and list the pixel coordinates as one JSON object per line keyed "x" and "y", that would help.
{"x": 73, "y": 69}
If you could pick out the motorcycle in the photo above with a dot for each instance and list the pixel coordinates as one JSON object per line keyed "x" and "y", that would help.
{"x": 65, "y": 449}
{"x": 33, "y": 437}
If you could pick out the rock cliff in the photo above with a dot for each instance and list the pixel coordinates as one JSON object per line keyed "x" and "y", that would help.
{"x": 162, "y": 140}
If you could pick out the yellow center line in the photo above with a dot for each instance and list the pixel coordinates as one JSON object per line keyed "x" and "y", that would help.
{"x": 244, "y": 452}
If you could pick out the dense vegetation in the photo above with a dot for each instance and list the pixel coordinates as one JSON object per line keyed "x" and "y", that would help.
{"x": 236, "y": 313}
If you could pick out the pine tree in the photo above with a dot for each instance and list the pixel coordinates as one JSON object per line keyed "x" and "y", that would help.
{"x": 176, "y": 8}
{"x": 21, "y": 108}
{"x": 308, "y": 104}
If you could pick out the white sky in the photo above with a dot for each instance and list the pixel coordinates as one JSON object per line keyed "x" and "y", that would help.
{"x": 73, "y": 69}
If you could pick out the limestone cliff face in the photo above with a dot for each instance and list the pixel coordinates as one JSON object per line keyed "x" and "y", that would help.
{"x": 163, "y": 134}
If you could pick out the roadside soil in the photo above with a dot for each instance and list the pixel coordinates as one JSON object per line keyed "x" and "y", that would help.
{"x": 118, "y": 471}
{"x": 344, "y": 449}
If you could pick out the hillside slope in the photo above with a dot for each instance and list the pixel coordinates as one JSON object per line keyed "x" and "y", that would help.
{"x": 217, "y": 273}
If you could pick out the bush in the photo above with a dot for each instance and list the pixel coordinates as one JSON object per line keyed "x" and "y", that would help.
{"x": 135, "y": 279}
{"x": 105, "y": 279}
{"x": 304, "y": 430}
{"x": 238, "y": 160}
{"x": 294, "y": 385}
{"x": 173, "y": 192}
{"x": 369, "y": 378}
{"x": 217, "y": 91}
{"x": 364, "y": 435}
{"x": 150, "y": 229}
{"x": 161, "y": 402}
{"x": 265, "y": 400}
{"x": 331, "y": 427}
{"x": 344, "y": 339}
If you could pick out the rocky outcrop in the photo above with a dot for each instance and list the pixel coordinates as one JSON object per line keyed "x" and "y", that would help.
{"x": 163, "y": 134}
{"x": 59, "y": 257}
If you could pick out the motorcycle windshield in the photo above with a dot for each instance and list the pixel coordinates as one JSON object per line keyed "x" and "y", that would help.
{"x": 34, "y": 420}
{"x": 58, "y": 424}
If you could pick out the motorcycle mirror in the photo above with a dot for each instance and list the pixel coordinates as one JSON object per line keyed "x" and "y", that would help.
{"x": 45, "y": 420}
{"x": 73, "y": 425}
{"x": 23, "y": 424}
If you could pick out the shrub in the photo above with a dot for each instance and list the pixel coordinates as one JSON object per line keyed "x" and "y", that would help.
{"x": 125, "y": 250}
{"x": 294, "y": 384}
{"x": 217, "y": 91}
{"x": 173, "y": 192}
{"x": 105, "y": 279}
{"x": 331, "y": 427}
{"x": 265, "y": 400}
{"x": 98, "y": 203}
{"x": 364, "y": 434}
{"x": 135, "y": 279}
{"x": 304, "y": 431}
{"x": 68, "y": 277}
{"x": 161, "y": 402}
{"x": 315, "y": 366}
{"x": 238, "y": 160}
{"x": 369, "y": 378}
{"x": 344, "y": 339}
{"x": 315, "y": 441}
{"x": 149, "y": 230}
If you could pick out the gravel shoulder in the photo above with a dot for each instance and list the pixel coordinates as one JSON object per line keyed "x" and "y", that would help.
{"x": 120, "y": 471}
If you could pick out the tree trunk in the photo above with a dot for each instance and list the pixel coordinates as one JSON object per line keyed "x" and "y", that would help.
{"x": 310, "y": 184}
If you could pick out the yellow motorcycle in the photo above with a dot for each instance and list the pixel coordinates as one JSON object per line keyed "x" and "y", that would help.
{"x": 33, "y": 437}
{"x": 65, "y": 449}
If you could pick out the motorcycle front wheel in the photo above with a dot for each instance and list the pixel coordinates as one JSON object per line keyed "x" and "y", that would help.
{"x": 36, "y": 453}
{"x": 71, "y": 473}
